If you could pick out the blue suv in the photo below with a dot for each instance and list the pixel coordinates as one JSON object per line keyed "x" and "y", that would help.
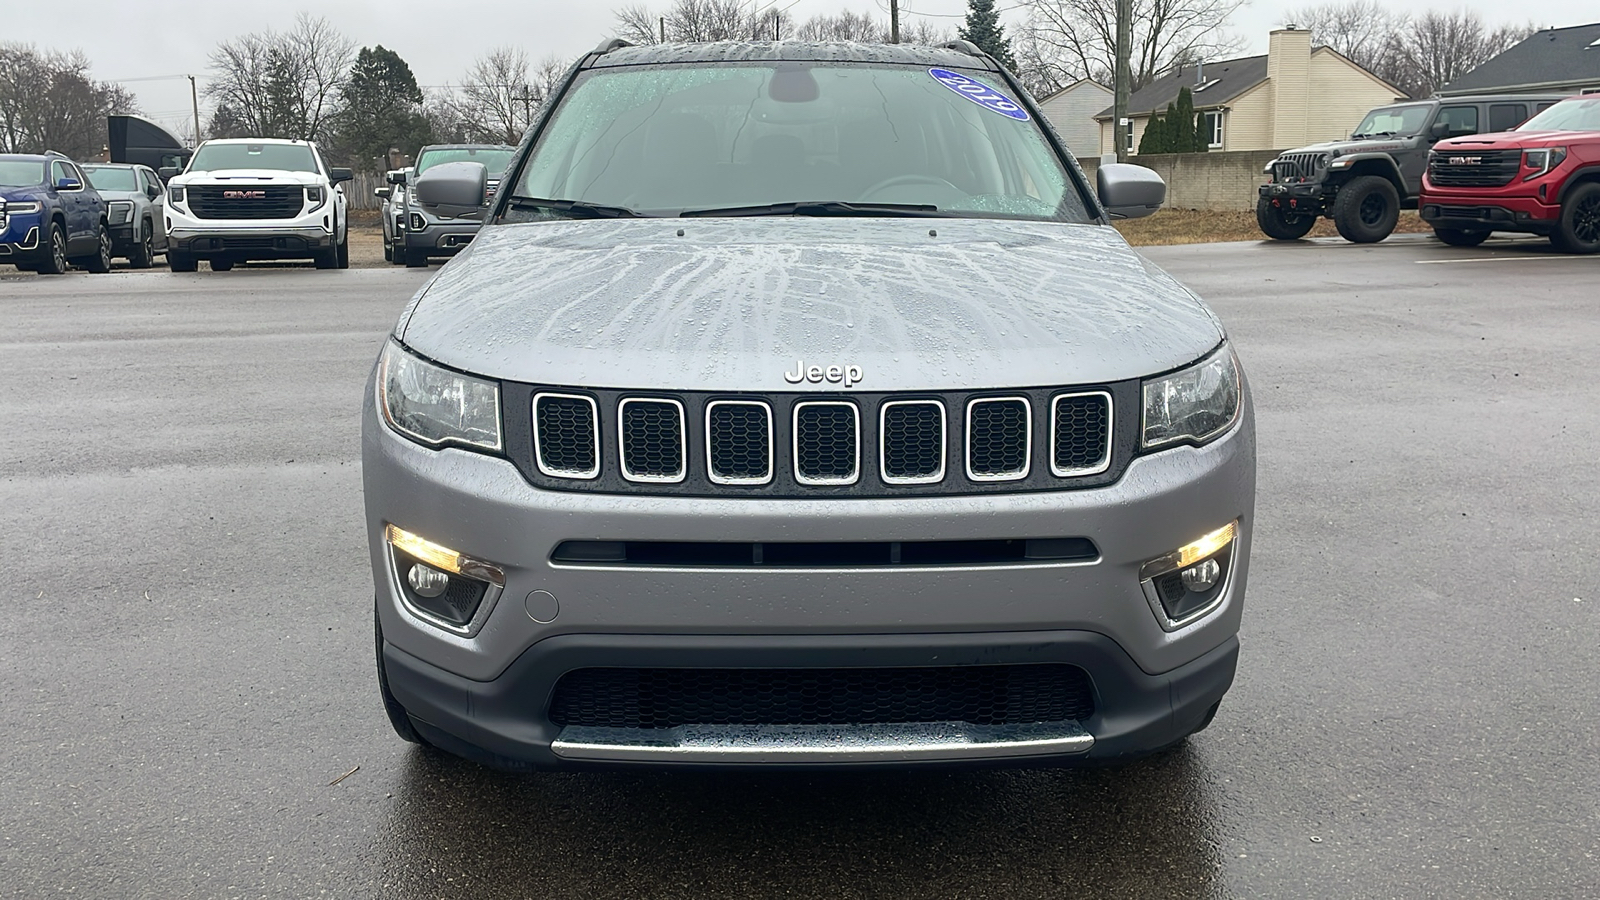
{"x": 51, "y": 216}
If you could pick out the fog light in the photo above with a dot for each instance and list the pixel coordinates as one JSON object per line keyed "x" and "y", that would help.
{"x": 430, "y": 582}
{"x": 1200, "y": 577}
{"x": 441, "y": 557}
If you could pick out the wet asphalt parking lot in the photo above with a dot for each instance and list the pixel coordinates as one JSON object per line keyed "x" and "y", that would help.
{"x": 187, "y": 645}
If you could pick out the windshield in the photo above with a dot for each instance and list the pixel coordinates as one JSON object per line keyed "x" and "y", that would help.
{"x": 283, "y": 157}
{"x": 494, "y": 159}
{"x": 1392, "y": 121}
{"x": 108, "y": 179}
{"x": 664, "y": 140}
{"x": 1576, "y": 114}
{"x": 21, "y": 173}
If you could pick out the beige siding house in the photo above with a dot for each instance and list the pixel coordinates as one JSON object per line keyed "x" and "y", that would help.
{"x": 1072, "y": 109}
{"x": 1294, "y": 95}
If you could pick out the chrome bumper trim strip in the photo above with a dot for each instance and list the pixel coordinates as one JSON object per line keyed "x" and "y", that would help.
{"x": 821, "y": 743}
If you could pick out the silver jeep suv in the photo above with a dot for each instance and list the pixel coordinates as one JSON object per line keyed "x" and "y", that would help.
{"x": 798, "y": 405}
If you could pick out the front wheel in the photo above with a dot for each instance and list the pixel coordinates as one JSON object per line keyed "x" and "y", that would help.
{"x": 55, "y": 260}
{"x": 416, "y": 259}
{"x": 144, "y": 252}
{"x": 1281, "y": 225}
{"x": 1578, "y": 230}
{"x": 343, "y": 254}
{"x": 222, "y": 265}
{"x": 178, "y": 261}
{"x": 1457, "y": 237}
{"x": 100, "y": 262}
{"x": 1367, "y": 209}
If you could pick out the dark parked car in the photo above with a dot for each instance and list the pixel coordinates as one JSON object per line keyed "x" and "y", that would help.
{"x": 135, "y": 200}
{"x": 51, "y": 216}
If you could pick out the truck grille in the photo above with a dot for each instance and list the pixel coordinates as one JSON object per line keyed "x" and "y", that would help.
{"x": 803, "y": 444}
{"x": 246, "y": 201}
{"x": 669, "y": 698}
{"x": 1294, "y": 167}
{"x": 1473, "y": 168}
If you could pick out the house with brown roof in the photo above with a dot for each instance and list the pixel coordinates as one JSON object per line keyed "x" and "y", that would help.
{"x": 1294, "y": 95}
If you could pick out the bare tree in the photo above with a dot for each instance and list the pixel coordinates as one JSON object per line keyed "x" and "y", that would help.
{"x": 637, "y": 24}
{"x": 846, "y": 26}
{"x": 1438, "y": 48}
{"x": 1042, "y": 68}
{"x": 49, "y": 101}
{"x": 272, "y": 84}
{"x": 1363, "y": 30}
{"x": 1083, "y": 33}
{"x": 496, "y": 96}
{"x": 707, "y": 20}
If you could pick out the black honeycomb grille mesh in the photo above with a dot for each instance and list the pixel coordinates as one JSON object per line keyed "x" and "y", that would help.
{"x": 740, "y": 441}
{"x": 913, "y": 440}
{"x": 826, "y": 442}
{"x": 998, "y": 444}
{"x": 668, "y": 698}
{"x": 1083, "y": 432}
{"x": 566, "y": 435}
{"x": 652, "y": 439}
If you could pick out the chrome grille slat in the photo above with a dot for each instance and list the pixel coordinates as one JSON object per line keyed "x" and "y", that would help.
{"x": 999, "y": 438}
{"x": 911, "y": 441}
{"x": 827, "y": 442}
{"x": 652, "y": 440}
{"x": 566, "y": 435}
{"x": 1080, "y": 434}
{"x": 739, "y": 442}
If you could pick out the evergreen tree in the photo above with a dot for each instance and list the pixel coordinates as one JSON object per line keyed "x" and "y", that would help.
{"x": 1155, "y": 137}
{"x": 983, "y": 28}
{"x": 1185, "y": 136}
{"x": 381, "y": 108}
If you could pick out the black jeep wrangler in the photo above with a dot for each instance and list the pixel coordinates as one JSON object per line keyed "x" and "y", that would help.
{"x": 1363, "y": 183}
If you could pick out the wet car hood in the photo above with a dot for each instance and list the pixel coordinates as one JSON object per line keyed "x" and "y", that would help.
{"x": 1374, "y": 145}
{"x": 733, "y": 304}
{"x": 279, "y": 176}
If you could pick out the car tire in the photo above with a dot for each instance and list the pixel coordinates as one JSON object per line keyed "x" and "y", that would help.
{"x": 1367, "y": 209}
{"x": 222, "y": 265}
{"x": 144, "y": 252}
{"x": 388, "y": 252}
{"x": 397, "y": 254}
{"x": 182, "y": 262}
{"x": 343, "y": 252}
{"x": 416, "y": 259}
{"x": 1276, "y": 223}
{"x": 100, "y": 262}
{"x": 1578, "y": 229}
{"x": 1458, "y": 237}
{"x": 399, "y": 719}
{"x": 326, "y": 259}
{"x": 54, "y": 261}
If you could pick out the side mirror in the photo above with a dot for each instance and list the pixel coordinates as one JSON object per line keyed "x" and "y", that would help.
{"x": 1130, "y": 192}
{"x": 459, "y": 184}
{"x": 397, "y": 178}
{"x": 338, "y": 174}
{"x": 68, "y": 184}
{"x": 1439, "y": 130}
{"x": 381, "y": 192}
{"x": 152, "y": 192}
{"x": 169, "y": 172}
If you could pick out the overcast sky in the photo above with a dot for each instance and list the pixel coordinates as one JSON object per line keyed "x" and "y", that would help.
{"x": 440, "y": 39}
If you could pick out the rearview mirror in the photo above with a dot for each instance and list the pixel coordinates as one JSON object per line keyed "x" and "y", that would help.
{"x": 1130, "y": 192}
{"x": 461, "y": 185}
{"x": 339, "y": 174}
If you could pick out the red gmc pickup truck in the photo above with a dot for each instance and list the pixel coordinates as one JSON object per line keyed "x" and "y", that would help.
{"x": 1542, "y": 178}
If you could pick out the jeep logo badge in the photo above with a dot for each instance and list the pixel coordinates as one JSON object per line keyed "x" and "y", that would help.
{"x": 1466, "y": 160}
{"x": 848, "y": 375}
{"x": 244, "y": 195}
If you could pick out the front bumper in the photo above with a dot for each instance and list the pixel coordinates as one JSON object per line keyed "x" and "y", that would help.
{"x": 488, "y": 692}
{"x": 123, "y": 239}
{"x": 442, "y": 238}
{"x": 1306, "y": 197}
{"x": 1488, "y": 211}
{"x": 20, "y": 239}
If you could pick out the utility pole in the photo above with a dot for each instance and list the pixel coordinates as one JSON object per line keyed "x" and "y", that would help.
{"x": 527, "y": 99}
{"x": 663, "y": 24}
{"x": 1123, "y": 126}
{"x": 894, "y": 21}
{"x": 194, "y": 95}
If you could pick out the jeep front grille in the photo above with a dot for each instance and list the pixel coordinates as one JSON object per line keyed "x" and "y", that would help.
{"x": 1294, "y": 167}
{"x": 565, "y": 435}
{"x": 246, "y": 201}
{"x": 1473, "y": 168}
{"x": 739, "y": 441}
{"x": 798, "y": 444}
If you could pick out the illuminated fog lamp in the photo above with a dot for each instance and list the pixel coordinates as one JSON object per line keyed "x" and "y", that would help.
{"x": 427, "y": 581}
{"x": 1205, "y": 547}
{"x": 441, "y": 557}
{"x": 1200, "y": 577}
{"x": 1187, "y": 584}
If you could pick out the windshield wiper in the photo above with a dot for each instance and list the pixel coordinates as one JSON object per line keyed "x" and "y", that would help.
{"x": 821, "y": 208}
{"x": 577, "y": 208}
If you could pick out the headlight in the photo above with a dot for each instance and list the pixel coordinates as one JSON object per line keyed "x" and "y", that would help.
{"x": 436, "y": 406}
{"x": 21, "y": 208}
{"x": 1542, "y": 160}
{"x": 119, "y": 212}
{"x": 316, "y": 196}
{"x": 1195, "y": 404}
{"x": 175, "y": 193}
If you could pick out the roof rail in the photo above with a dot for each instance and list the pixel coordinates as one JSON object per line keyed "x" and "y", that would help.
{"x": 610, "y": 44}
{"x": 967, "y": 47}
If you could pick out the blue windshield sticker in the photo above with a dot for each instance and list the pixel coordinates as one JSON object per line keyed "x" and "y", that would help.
{"x": 981, "y": 94}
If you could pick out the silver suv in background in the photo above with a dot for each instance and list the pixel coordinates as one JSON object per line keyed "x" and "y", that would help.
{"x": 800, "y": 406}
{"x": 432, "y": 230}
{"x": 135, "y": 204}
{"x": 392, "y": 214}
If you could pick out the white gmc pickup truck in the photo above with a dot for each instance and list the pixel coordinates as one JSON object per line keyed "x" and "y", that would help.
{"x": 256, "y": 198}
